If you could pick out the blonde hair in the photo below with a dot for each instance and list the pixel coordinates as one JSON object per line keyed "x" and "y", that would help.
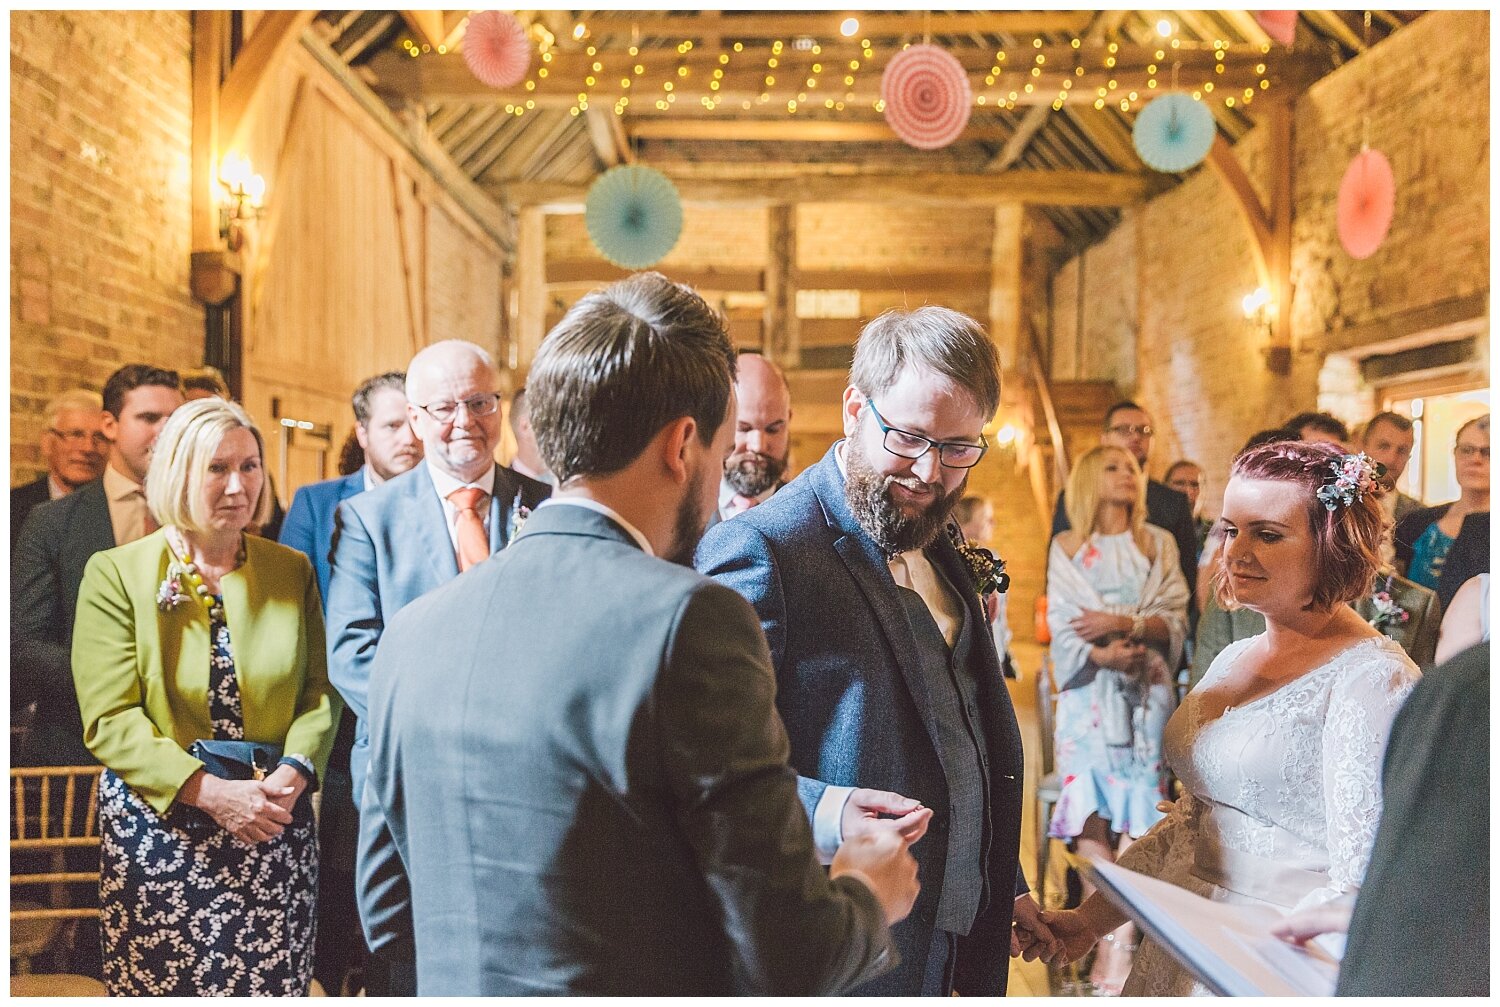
{"x": 1081, "y": 500}
{"x": 179, "y": 462}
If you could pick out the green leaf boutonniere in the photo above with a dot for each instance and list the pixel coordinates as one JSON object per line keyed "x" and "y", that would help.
{"x": 985, "y": 568}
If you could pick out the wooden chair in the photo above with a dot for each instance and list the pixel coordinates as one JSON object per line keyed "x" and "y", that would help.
{"x": 53, "y": 810}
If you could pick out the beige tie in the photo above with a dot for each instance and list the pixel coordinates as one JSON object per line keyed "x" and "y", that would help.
{"x": 473, "y": 540}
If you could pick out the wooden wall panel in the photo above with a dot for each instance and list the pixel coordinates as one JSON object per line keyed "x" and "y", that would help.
{"x": 361, "y": 260}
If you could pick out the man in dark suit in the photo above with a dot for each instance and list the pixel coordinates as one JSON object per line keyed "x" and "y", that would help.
{"x": 886, "y": 673}
{"x": 418, "y": 531}
{"x": 617, "y": 821}
{"x": 74, "y": 448}
{"x": 55, "y": 544}
{"x": 1128, "y": 426}
{"x": 390, "y": 447}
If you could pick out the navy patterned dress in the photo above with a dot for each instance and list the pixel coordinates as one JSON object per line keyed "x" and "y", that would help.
{"x": 186, "y": 909}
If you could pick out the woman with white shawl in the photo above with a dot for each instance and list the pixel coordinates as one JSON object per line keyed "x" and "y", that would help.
{"x": 1117, "y": 608}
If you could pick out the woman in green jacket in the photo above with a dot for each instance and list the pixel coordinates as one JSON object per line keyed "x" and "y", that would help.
{"x": 189, "y": 644}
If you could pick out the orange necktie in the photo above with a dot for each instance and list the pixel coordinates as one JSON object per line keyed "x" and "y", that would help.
{"x": 473, "y": 540}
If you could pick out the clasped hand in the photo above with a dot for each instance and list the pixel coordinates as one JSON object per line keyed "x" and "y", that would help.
{"x": 253, "y": 811}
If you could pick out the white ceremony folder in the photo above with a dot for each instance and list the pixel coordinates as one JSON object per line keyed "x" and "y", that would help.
{"x": 1228, "y": 947}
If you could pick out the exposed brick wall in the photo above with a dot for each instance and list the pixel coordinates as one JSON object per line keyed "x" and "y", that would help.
{"x": 101, "y": 142}
{"x": 1186, "y": 254}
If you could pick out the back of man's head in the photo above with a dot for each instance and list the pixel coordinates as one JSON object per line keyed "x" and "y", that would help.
{"x": 624, "y": 362}
{"x": 133, "y": 376}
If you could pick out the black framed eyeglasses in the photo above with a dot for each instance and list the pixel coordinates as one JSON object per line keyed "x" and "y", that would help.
{"x": 905, "y": 444}
{"x": 447, "y": 412}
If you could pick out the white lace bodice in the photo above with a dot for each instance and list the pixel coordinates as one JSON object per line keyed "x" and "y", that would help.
{"x": 1292, "y": 777}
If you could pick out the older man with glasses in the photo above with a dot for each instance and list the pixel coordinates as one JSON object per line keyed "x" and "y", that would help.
{"x": 415, "y": 532}
{"x": 74, "y": 448}
{"x": 1128, "y": 426}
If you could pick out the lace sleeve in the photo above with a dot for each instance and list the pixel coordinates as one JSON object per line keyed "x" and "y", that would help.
{"x": 1166, "y": 850}
{"x": 1361, "y": 707}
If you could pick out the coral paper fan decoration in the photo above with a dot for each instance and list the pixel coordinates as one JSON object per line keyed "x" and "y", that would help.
{"x": 633, "y": 215}
{"x": 496, "y": 48}
{"x": 927, "y": 97}
{"x": 1367, "y": 202}
{"x": 1281, "y": 25}
{"x": 1174, "y": 133}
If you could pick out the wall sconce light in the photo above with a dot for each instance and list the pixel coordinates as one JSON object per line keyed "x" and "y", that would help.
{"x": 246, "y": 196}
{"x": 1006, "y": 435}
{"x": 1260, "y": 312}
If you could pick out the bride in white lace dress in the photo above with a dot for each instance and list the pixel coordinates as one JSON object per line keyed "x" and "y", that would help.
{"x": 1279, "y": 748}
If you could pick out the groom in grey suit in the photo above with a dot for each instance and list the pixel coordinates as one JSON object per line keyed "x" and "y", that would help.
{"x": 417, "y": 531}
{"x": 575, "y": 757}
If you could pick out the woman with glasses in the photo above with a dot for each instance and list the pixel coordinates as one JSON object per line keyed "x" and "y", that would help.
{"x": 1441, "y": 547}
{"x": 1117, "y": 608}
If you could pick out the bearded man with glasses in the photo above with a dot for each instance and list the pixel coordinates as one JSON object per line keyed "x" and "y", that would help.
{"x": 1128, "y": 426}
{"x": 413, "y": 533}
{"x": 886, "y": 673}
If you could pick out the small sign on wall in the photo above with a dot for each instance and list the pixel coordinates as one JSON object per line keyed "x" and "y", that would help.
{"x": 828, "y": 304}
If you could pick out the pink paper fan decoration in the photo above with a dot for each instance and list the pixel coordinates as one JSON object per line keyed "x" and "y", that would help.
{"x": 496, "y": 48}
{"x": 927, "y": 97}
{"x": 1367, "y": 202}
{"x": 1281, "y": 25}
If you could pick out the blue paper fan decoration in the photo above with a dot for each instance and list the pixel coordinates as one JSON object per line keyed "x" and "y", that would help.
{"x": 1174, "y": 133}
{"x": 634, "y": 215}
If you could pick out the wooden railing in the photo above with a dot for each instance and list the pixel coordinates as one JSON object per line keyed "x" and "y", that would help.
{"x": 1045, "y": 485}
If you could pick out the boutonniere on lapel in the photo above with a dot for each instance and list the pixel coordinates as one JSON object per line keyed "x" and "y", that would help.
{"x": 985, "y": 568}
{"x": 1388, "y": 614}
{"x": 171, "y": 594}
{"x": 519, "y": 512}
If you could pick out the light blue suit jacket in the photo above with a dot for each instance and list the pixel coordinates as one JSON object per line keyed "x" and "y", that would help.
{"x": 308, "y": 527}
{"x": 390, "y": 547}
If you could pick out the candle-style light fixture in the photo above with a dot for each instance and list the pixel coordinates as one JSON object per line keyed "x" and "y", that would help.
{"x": 245, "y": 193}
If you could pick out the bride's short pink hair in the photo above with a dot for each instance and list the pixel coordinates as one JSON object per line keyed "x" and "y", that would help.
{"x": 1346, "y": 540}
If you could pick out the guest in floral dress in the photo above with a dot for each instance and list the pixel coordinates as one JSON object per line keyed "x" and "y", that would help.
{"x": 1117, "y": 609}
{"x": 199, "y": 632}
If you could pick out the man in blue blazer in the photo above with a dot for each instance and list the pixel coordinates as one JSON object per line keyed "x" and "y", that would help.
{"x": 390, "y": 447}
{"x": 418, "y": 531}
{"x": 886, "y": 675}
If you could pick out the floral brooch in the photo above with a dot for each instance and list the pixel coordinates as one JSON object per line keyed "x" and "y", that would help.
{"x": 1351, "y": 477}
{"x": 986, "y": 570}
{"x": 519, "y": 512}
{"x": 1388, "y": 613}
{"x": 170, "y": 594}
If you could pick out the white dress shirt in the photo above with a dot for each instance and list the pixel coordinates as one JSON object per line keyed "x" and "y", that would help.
{"x": 55, "y": 489}
{"x": 446, "y": 484}
{"x": 607, "y": 511}
{"x": 727, "y": 493}
{"x": 127, "y": 506}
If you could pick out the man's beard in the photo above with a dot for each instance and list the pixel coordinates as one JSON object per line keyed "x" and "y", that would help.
{"x": 691, "y": 523}
{"x": 752, "y": 473}
{"x": 868, "y": 494}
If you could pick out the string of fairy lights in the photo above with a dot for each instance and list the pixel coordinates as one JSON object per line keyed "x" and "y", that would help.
{"x": 831, "y": 79}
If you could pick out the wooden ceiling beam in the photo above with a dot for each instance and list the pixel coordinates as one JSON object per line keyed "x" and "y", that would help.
{"x": 1333, "y": 22}
{"x": 607, "y": 134}
{"x": 825, "y": 26}
{"x": 427, "y": 25}
{"x": 758, "y": 187}
{"x": 784, "y": 130}
{"x": 277, "y": 30}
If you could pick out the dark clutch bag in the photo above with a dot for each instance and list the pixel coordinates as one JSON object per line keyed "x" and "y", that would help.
{"x": 236, "y": 760}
